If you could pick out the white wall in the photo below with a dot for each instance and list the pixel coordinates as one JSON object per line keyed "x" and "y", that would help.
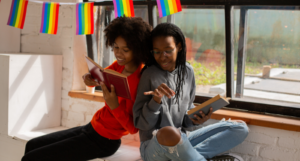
{"x": 66, "y": 43}
{"x": 9, "y": 36}
{"x": 29, "y": 40}
{"x": 34, "y": 92}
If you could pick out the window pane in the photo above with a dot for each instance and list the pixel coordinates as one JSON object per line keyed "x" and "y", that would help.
{"x": 104, "y": 15}
{"x": 204, "y": 30}
{"x": 267, "y": 45}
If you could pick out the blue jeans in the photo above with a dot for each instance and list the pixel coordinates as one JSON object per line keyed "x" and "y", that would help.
{"x": 199, "y": 145}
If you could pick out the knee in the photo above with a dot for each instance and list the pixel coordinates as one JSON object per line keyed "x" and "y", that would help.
{"x": 241, "y": 131}
{"x": 168, "y": 136}
{"x": 30, "y": 146}
{"x": 24, "y": 158}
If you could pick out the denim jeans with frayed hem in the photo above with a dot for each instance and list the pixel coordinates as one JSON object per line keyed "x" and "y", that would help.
{"x": 199, "y": 145}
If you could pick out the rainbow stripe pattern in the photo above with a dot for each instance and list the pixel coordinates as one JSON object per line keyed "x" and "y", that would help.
{"x": 84, "y": 18}
{"x": 49, "y": 18}
{"x": 168, "y": 7}
{"x": 17, "y": 13}
{"x": 123, "y": 7}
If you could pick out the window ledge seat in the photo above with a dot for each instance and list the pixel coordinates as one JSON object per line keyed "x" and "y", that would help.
{"x": 250, "y": 118}
{"x": 26, "y": 136}
{"x": 129, "y": 148}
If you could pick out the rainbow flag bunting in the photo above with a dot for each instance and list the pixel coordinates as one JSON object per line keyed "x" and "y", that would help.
{"x": 84, "y": 18}
{"x": 17, "y": 13}
{"x": 49, "y": 18}
{"x": 123, "y": 7}
{"x": 168, "y": 7}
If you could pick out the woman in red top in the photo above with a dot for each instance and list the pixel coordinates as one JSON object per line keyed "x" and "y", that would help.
{"x": 129, "y": 39}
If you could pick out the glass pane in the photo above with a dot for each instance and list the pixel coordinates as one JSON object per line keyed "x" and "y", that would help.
{"x": 204, "y": 30}
{"x": 103, "y": 16}
{"x": 267, "y": 61}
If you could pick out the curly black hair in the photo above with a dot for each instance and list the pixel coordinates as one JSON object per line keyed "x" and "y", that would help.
{"x": 169, "y": 29}
{"x": 136, "y": 33}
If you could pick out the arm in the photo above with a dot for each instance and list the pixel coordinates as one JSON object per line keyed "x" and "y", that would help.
{"x": 123, "y": 114}
{"x": 145, "y": 109}
{"x": 187, "y": 122}
{"x": 119, "y": 108}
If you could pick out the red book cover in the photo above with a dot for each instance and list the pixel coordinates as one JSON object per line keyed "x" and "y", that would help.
{"x": 108, "y": 77}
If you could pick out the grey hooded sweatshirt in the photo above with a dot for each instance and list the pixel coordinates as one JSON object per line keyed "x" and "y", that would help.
{"x": 149, "y": 115}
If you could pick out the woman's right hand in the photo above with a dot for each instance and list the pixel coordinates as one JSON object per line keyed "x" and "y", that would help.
{"x": 160, "y": 91}
{"x": 89, "y": 81}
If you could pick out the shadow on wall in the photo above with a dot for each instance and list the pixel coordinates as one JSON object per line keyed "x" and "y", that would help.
{"x": 35, "y": 94}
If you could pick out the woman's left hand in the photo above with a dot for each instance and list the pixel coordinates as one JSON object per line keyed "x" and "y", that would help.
{"x": 204, "y": 118}
{"x": 110, "y": 98}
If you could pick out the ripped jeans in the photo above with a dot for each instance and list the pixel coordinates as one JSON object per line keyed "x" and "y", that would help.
{"x": 199, "y": 145}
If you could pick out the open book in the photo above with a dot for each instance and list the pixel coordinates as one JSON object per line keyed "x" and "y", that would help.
{"x": 216, "y": 103}
{"x": 108, "y": 77}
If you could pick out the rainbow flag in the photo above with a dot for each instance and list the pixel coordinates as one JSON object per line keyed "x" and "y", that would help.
{"x": 17, "y": 13}
{"x": 49, "y": 18}
{"x": 123, "y": 7}
{"x": 84, "y": 18}
{"x": 168, "y": 7}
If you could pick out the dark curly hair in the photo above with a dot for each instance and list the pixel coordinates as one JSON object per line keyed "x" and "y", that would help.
{"x": 169, "y": 29}
{"x": 136, "y": 33}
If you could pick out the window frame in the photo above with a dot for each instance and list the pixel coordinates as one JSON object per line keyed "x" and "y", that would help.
{"x": 243, "y": 105}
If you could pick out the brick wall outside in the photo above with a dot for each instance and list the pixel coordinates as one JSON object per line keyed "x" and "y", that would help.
{"x": 262, "y": 144}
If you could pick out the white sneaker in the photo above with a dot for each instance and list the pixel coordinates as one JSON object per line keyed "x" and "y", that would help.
{"x": 226, "y": 157}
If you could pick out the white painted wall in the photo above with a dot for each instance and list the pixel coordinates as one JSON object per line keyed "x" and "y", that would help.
{"x": 29, "y": 40}
{"x": 34, "y": 96}
{"x": 9, "y": 36}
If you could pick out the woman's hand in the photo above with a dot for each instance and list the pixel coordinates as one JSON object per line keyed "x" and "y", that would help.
{"x": 204, "y": 118}
{"x": 160, "y": 91}
{"x": 110, "y": 98}
{"x": 89, "y": 81}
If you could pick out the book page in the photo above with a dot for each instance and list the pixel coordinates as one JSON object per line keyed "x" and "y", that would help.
{"x": 92, "y": 61}
{"x": 114, "y": 73}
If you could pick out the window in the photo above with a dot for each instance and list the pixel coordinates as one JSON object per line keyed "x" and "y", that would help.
{"x": 104, "y": 15}
{"x": 267, "y": 62}
{"x": 204, "y": 31}
{"x": 246, "y": 50}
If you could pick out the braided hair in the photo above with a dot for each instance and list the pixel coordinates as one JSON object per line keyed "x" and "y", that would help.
{"x": 169, "y": 29}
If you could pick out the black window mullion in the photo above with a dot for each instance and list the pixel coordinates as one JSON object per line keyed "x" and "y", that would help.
{"x": 150, "y": 15}
{"x": 229, "y": 51}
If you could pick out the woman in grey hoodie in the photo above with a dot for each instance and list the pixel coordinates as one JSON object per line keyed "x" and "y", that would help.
{"x": 165, "y": 92}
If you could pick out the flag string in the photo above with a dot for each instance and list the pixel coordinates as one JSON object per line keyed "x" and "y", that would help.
{"x": 84, "y": 13}
{"x": 65, "y": 3}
